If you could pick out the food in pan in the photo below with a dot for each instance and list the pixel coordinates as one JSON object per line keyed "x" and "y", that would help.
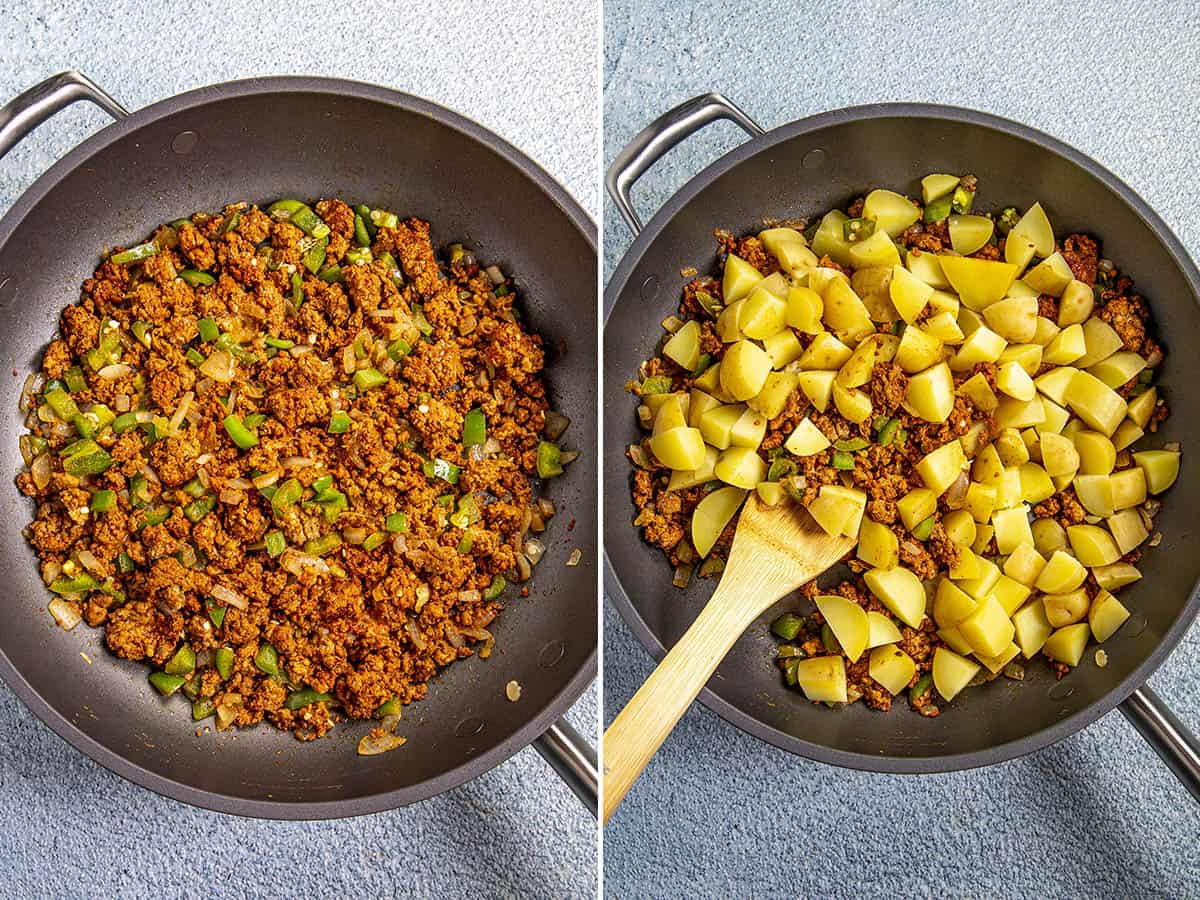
{"x": 966, "y": 394}
{"x": 288, "y": 457}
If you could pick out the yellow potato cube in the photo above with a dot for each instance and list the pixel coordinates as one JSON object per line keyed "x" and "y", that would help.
{"x": 1012, "y": 528}
{"x": 951, "y": 672}
{"x": 943, "y": 327}
{"x": 1031, "y": 627}
{"x": 1161, "y": 468}
{"x": 716, "y": 425}
{"x": 1067, "y": 644}
{"x": 699, "y": 402}
{"x": 1056, "y": 383}
{"x": 1059, "y": 456}
{"x": 980, "y": 501}
{"x": 978, "y": 282}
{"x": 711, "y": 516}
{"x": 679, "y": 448}
{"x": 1045, "y": 332}
{"x": 1011, "y": 447}
{"x": 877, "y": 250}
{"x": 980, "y": 586}
{"x": 1092, "y": 545}
{"x": 1141, "y": 407}
{"x": 1062, "y": 573}
{"x": 739, "y": 279}
{"x": 942, "y": 301}
{"x": 741, "y": 467}
{"x": 891, "y": 667}
{"x": 873, "y": 287}
{"x": 1065, "y": 609}
{"x": 672, "y": 411}
{"x": 783, "y": 347}
{"x": 882, "y": 630}
{"x": 976, "y": 438}
{"x": 918, "y": 350}
{"x": 817, "y": 386}
{"x": 968, "y": 566}
{"x": 1019, "y": 250}
{"x": 1129, "y": 488}
{"x": 1127, "y": 434}
{"x": 856, "y": 371}
{"x": 1036, "y": 485}
{"x": 1095, "y": 493}
{"x": 941, "y": 467}
{"x": 981, "y": 346}
{"x": 1048, "y": 536}
{"x": 1010, "y": 594}
{"x": 908, "y": 293}
{"x": 804, "y": 309}
{"x": 825, "y": 352}
{"x": 1116, "y": 576}
{"x": 1127, "y": 529}
{"x": 926, "y": 267}
{"x": 1013, "y": 413}
{"x": 969, "y": 233}
{"x": 951, "y": 604}
{"x": 959, "y": 527}
{"x": 1097, "y": 455}
{"x": 770, "y": 493}
{"x": 878, "y": 545}
{"x": 1066, "y": 347}
{"x": 728, "y": 329}
{"x": 892, "y": 212}
{"x": 1101, "y": 342}
{"x": 1027, "y": 356}
{"x": 744, "y": 370}
{"x": 1036, "y": 227}
{"x": 806, "y": 440}
{"x": 782, "y": 243}
{"x": 1118, "y": 369}
{"x": 1106, "y": 616}
{"x": 762, "y": 314}
{"x": 773, "y": 397}
{"x": 1054, "y": 418}
{"x": 1024, "y": 565}
{"x": 996, "y": 663}
{"x": 748, "y": 430}
{"x": 822, "y": 679}
{"x": 838, "y": 509}
{"x": 1008, "y": 490}
{"x": 955, "y": 641}
{"x": 1015, "y": 381}
{"x": 988, "y": 468}
{"x": 1014, "y": 318}
{"x": 709, "y": 381}
{"x": 684, "y": 345}
{"x": 934, "y": 187}
{"x": 900, "y": 591}
{"x": 848, "y": 621}
{"x": 930, "y": 394}
{"x": 983, "y": 539}
{"x": 1050, "y": 276}
{"x": 978, "y": 391}
{"x": 680, "y": 480}
{"x": 853, "y": 404}
{"x": 916, "y": 506}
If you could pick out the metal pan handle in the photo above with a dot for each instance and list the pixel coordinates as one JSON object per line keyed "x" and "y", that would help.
{"x": 660, "y": 136}
{"x": 574, "y": 759}
{"x": 1167, "y": 736}
{"x": 31, "y": 108}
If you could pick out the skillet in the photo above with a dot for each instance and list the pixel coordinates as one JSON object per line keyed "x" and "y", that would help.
{"x": 260, "y": 140}
{"x": 803, "y": 169}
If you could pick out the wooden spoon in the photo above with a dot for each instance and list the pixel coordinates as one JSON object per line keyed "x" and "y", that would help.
{"x": 775, "y": 550}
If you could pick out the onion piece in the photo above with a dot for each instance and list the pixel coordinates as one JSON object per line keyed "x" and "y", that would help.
{"x": 524, "y": 570}
{"x": 88, "y": 560}
{"x": 115, "y": 372}
{"x": 546, "y": 505}
{"x": 495, "y": 275}
{"x": 534, "y": 549}
{"x": 41, "y": 469}
{"x": 298, "y": 462}
{"x": 122, "y": 403}
{"x": 575, "y": 557}
{"x": 354, "y": 534}
{"x": 66, "y": 614}
{"x": 27, "y": 391}
{"x": 266, "y": 479}
{"x": 231, "y": 497}
{"x": 683, "y": 575}
{"x": 185, "y": 404}
{"x": 219, "y": 366}
{"x": 240, "y": 484}
{"x": 454, "y": 636}
{"x": 469, "y": 597}
{"x": 375, "y": 743}
{"x": 227, "y": 710}
{"x": 294, "y": 561}
{"x": 228, "y": 596}
{"x": 400, "y": 543}
{"x": 414, "y": 634}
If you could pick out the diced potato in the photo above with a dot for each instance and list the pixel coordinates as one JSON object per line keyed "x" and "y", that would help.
{"x": 845, "y": 313}
{"x": 934, "y": 187}
{"x": 1045, "y": 332}
{"x": 848, "y": 621}
{"x": 926, "y": 267}
{"x": 877, "y": 250}
{"x": 951, "y": 604}
{"x": 1127, "y": 434}
{"x": 916, "y": 506}
{"x": 892, "y": 212}
{"x": 1093, "y": 545}
{"x": 1116, "y": 576}
{"x": 941, "y": 467}
{"x": 1141, "y": 407}
{"x": 1106, "y": 616}
{"x": 804, "y": 309}
{"x": 988, "y": 467}
{"x": 681, "y": 480}
{"x": 699, "y": 402}
{"x": 978, "y": 282}
{"x": 709, "y": 381}
{"x": 1048, "y": 536}
{"x": 1118, "y": 369}
{"x": 770, "y": 493}
{"x": 857, "y": 369}
{"x": 711, "y": 516}
{"x": 980, "y": 501}
{"x": 820, "y": 278}
{"x": 1161, "y": 468}
{"x": 891, "y": 667}
{"x": 1010, "y": 447}
{"x": 1054, "y": 419}
{"x": 1012, "y": 528}
{"x": 853, "y": 404}
{"x": 672, "y": 411}
{"x": 1101, "y": 342}
{"x": 980, "y": 586}
{"x": 1050, "y": 276}
{"x": 822, "y": 679}
{"x": 1031, "y": 627}
{"x": 1015, "y": 381}
{"x": 981, "y": 346}
{"x": 943, "y": 327}
{"x": 817, "y": 386}
{"x": 909, "y": 294}
{"x": 873, "y": 287}
{"x": 878, "y": 545}
{"x": 728, "y": 327}
{"x": 886, "y": 346}
{"x": 1068, "y": 346}
{"x": 959, "y": 527}
{"x": 978, "y": 391}
{"x": 951, "y": 672}
{"x": 1009, "y": 490}
{"x": 1129, "y": 487}
{"x": 1024, "y": 565}
{"x": 1014, "y": 318}
{"x": 684, "y": 345}
{"x": 744, "y": 370}
{"x": 806, "y": 440}
{"x": 954, "y": 640}
{"x": 716, "y": 425}
{"x": 1062, "y": 573}
{"x": 1095, "y": 493}
{"x": 739, "y": 279}
{"x": 968, "y": 320}
{"x": 1056, "y": 383}
{"x": 679, "y": 448}
{"x": 1059, "y": 456}
{"x": 1095, "y": 403}
{"x": 941, "y": 302}
{"x": 996, "y": 663}
{"x": 881, "y": 630}
{"x": 1019, "y": 250}
{"x": 1027, "y": 356}
{"x": 930, "y": 394}
{"x": 983, "y": 539}
{"x": 825, "y": 352}
{"x": 741, "y": 467}
{"x": 838, "y": 510}
{"x": 1013, "y": 413}
{"x": 1036, "y": 226}
{"x": 784, "y": 244}
{"x": 969, "y": 233}
{"x": 1036, "y": 485}
{"x": 977, "y": 437}
{"x": 900, "y": 591}
{"x": 1065, "y": 609}
{"x": 773, "y": 397}
{"x": 764, "y": 312}
{"x": 1128, "y": 529}
{"x": 1067, "y": 644}
{"x": 918, "y": 350}
{"x": 1076, "y": 303}
{"x": 988, "y": 629}
{"x": 968, "y": 567}
{"x": 748, "y": 430}
{"x": 1097, "y": 455}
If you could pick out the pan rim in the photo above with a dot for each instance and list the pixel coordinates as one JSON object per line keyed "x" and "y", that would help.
{"x": 620, "y": 599}
{"x": 216, "y": 801}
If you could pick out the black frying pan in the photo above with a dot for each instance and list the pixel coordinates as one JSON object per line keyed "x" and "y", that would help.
{"x": 305, "y": 137}
{"x": 803, "y": 169}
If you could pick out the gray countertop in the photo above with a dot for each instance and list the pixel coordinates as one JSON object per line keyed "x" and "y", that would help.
{"x": 70, "y": 828}
{"x": 720, "y": 813}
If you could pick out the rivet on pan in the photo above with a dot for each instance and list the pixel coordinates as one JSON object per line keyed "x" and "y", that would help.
{"x": 468, "y": 727}
{"x": 1060, "y": 691}
{"x": 185, "y": 142}
{"x": 1135, "y": 626}
{"x": 552, "y": 654}
{"x": 650, "y": 289}
{"x": 813, "y": 159}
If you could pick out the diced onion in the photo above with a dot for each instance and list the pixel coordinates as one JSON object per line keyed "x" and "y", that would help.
{"x": 231, "y": 497}
{"x": 568, "y": 456}
{"x": 400, "y": 543}
{"x": 454, "y": 636}
{"x": 27, "y": 391}
{"x": 219, "y": 366}
{"x": 122, "y": 403}
{"x": 88, "y": 560}
{"x": 296, "y": 562}
{"x": 683, "y": 575}
{"x": 231, "y": 597}
{"x": 414, "y": 634}
{"x": 228, "y": 710}
{"x": 115, "y": 372}
{"x": 495, "y": 275}
{"x": 374, "y": 744}
{"x": 354, "y": 534}
{"x": 575, "y": 557}
{"x": 65, "y": 614}
{"x": 40, "y": 469}
{"x": 266, "y": 479}
{"x": 546, "y": 505}
{"x": 524, "y": 570}
{"x": 241, "y": 484}
{"x": 534, "y": 549}
{"x": 185, "y": 404}
{"x": 469, "y": 597}
{"x": 298, "y": 462}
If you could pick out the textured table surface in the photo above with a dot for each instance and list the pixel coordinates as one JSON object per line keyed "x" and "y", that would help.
{"x": 70, "y": 828}
{"x": 721, "y": 814}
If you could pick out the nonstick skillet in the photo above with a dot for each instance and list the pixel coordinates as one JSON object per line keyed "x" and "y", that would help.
{"x": 305, "y": 137}
{"x": 803, "y": 169}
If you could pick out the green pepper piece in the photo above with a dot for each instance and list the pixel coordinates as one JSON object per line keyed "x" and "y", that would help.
{"x": 276, "y": 543}
{"x": 921, "y": 688}
{"x": 77, "y": 585}
{"x": 209, "y": 331}
{"x": 322, "y": 484}
{"x": 850, "y": 445}
{"x": 398, "y": 349}
{"x": 254, "y": 420}
{"x": 858, "y": 229}
{"x": 194, "y": 488}
{"x": 887, "y": 433}
{"x": 363, "y": 213}
{"x": 440, "y": 468}
{"x": 781, "y": 467}
{"x": 1007, "y": 219}
{"x": 655, "y": 384}
{"x": 103, "y": 501}
{"x": 339, "y": 422}
{"x": 843, "y": 461}
{"x": 388, "y": 708}
{"x": 465, "y": 545}
{"x": 375, "y": 539}
{"x": 267, "y": 659}
{"x": 366, "y": 379}
{"x": 54, "y": 384}
{"x": 183, "y": 662}
{"x": 223, "y": 660}
{"x": 194, "y": 356}
{"x": 333, "y": 504}
{"x": 326, "y": 543}
{"x": 196, "y": 278}
{"x": 156, "y": 516}
{"x": 938, "y": 209}
{"x": 282, "y": 210}
{"x": 89, "y": 461}
{"x": 286, "y": 494}
{"x": 358, "y": 257}
{"x": 829, "y": 639}
{"x": 139, "y": 491}
{"x": 330, "y": 274}
{"x": 202, "y": 708}
{"x": 709, "y": 303}
{"x": 216, "y": 614}
{"x": 135, "y": 254}
{"x": 361, "y": 237}
{"x": 166, "y": 684}
{"x": 61, "y": 402}
{"x": 787, "y": 626}
{"x": 549, "y": 460}
{"x": 423, "y": 325}
{"x": 230, "y": 222}
{"x": 239, "y": 433}
{"x": 313, "y": 256}
{"x": 309, "y": 222}
{"x": 306, "y": 697}
{"x": 789, "y": 672}
{"x": 381, "y": 218}
{"x": 702, "y": 364}
{"x": 961, "y": 200}
{"x": 198, "y": 509}
{"x": 75, "y": 379}
{"x": 923, "y": 529}
{"x": 496, "y": 588}
{"x": 396, "y": 523}
{"x": 474, "y": 427}
{"x": 125, "y": 563}
{"x": 391, "y": 268}
{"x": 468, "y": 512}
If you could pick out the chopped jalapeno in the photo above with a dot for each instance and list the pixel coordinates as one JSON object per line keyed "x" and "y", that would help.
{"x": 961, "y": 199}
{"x": 305, "y": 697}
{"x": 887, "y": 432}
{"x": 858, "y": 229}
{"x": 275, "y": 543}
{"x": 124, "y": 563}
{"x": 850, "y": 445}
{"x": 77, "y": 585}
{"x": 787, "y": 626}
{"x": 198, "y": 509}
{"x": 223, "y": 660}
{"x": 135, "y": 254}
{"x": 474, "y": 427}
{"x": 239, "y": 433}
{"x": 1007, "y": 220}
{"x": 194, "y": 356}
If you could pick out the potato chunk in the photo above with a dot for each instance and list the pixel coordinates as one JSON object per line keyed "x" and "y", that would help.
{"x": 822, "y": 679}
{"x": 744, "y": 370}
{"x": 900, "y": 591}
{"x": 891, "y": 667}
{"x": 848, "y": 621}
{"x": 711, "y": 516}
{"x": 951, "y": 672}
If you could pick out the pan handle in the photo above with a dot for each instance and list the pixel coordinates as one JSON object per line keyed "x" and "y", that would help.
{"x": 1167, "y": 736}
{"x": 660, "y": 136}
{"x": 574, "y": 759}
{"x": 31, "y": 108}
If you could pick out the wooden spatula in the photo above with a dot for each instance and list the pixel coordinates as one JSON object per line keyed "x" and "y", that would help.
{"x": 775, "y": 550}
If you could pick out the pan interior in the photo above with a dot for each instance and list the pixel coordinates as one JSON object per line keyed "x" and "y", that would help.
{"x": 260, "y": 146}
{"x": 801, "y": 171}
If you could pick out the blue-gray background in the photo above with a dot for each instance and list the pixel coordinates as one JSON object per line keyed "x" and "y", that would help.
{"x": 721, "y": 814}
{"x": 70, "y": 828}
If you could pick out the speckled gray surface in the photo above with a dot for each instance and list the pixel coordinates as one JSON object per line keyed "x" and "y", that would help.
{"x": 71, "y": 828}
{"x": 721, "y": 814}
